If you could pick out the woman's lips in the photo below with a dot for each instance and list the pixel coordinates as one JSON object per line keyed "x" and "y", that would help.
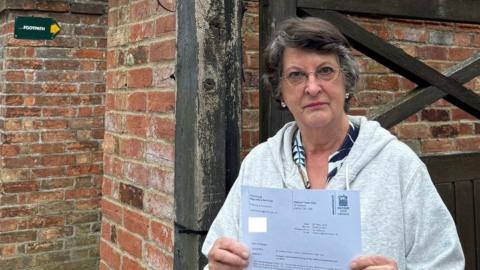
{"x": 314, "y": 104}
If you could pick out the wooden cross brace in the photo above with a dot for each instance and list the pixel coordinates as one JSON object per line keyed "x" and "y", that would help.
{"x": 432, "y": 85}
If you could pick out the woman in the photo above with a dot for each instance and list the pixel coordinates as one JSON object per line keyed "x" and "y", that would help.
{"x": 405, "y": 224}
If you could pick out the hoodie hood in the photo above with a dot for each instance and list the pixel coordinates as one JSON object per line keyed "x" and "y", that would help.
{"x": 371, "y": 140}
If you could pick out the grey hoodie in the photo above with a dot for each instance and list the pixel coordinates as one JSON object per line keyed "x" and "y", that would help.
{"x": 402, "y": 215}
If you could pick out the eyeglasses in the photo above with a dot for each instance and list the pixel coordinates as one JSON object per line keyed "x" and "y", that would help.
{"x": 323, "y": 73}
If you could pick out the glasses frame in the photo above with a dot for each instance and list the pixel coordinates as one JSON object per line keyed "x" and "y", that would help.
{"x": 306, "y": 76}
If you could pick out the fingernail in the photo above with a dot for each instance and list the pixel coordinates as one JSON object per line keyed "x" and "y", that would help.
{"x": 245, "y": 254}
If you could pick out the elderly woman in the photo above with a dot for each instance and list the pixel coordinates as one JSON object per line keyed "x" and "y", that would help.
{"x": 404, "y": 223}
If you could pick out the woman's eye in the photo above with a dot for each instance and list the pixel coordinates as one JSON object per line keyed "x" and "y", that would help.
{"x": 325, "y": 70}
{"x": 295, "y": 75}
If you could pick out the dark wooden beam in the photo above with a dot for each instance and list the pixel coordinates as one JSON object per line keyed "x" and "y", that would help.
{"x": 438, "y": 10}
{"x": 453, "y": 167}
{"x": 272, "y": 116}
{"x": 399, "y": 61}
{"x": 207, "y": 140}
{"x": 395, "y": 112}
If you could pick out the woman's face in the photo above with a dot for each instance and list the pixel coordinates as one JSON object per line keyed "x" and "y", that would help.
{"x": 313, "y": 88}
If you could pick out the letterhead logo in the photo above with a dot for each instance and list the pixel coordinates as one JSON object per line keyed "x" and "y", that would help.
{"x": 343, "y": 201}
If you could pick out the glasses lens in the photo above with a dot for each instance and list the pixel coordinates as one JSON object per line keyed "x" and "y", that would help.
{"x": 296, "y": 77}
{"x": 326, "y": 73}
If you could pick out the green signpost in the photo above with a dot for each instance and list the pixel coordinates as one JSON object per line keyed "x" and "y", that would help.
{"x": 36, "y": 28}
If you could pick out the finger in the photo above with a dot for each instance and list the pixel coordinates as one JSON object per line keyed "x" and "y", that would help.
{"x": 363, "y": 262}
{"x": 226, "y": 258}
{"x": 381, "y": 267}
{"x": 233, "y": 246}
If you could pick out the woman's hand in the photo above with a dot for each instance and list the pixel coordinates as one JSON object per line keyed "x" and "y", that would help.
{"x": 228, "y": 254}
{"x": 373, "y": 263}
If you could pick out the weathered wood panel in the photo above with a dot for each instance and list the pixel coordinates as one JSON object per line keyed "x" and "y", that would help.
{"x": 272, "y": 116}
{"x": 453, "y": 167}
{"x": 465, "y": 220}
{"x": 447, "y": 192}
{"x": 208, "y": 107}
{"x": 439, "y": 10}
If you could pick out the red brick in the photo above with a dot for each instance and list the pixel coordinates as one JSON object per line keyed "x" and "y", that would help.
{"x": 107, "y": 187}
{"x": 131, "y": 195}
{"x": 50, "y": 124}
{"x": 159, "y": 205}
{"x": 435, "y": 115}
{"x": 162, "y": 128}
{"x": 460, "y": 54}
{"x": 41, "y": 197}
{"x": 251, "y": 41}
{"x": 112, "y": 211}
{"x": 137, "y": 125}
{"x": 44, "y": 222}
{"x": 156, "y": 258}
{"x": 162, "y": 51}
{"x": 15, "y": 76}
{"x": 137, "y": 173}
{"x": 161, "y": 101}
{"x": 432, "y": 52}
{"x": 129, "y": 264}
{"x": 48, "y": 148}
{"x": 136, "y": 223}
{"x": 20, "y": 162}
{"x": 161, "y": 180}
{"x": 164, "y": 25}
{"x": 17, "y": 211}
{"x": 409, "y": 33}
{"x": 413, "y": 131}
{"x": 81, "y": 193}
{"x": 116, "y": 79}
{"x": 131, "y": 148}
{"x": 9, "y": 150}
{"x": 141, "y": 31}
{"x": 8, "y": 251}
{"x": 59, "y": 88}
{"x": 130, "y": 243}
{"x": 162, "y": 154}
{"x": 21, "y": 138}
{"x": 163, "y": 235}
{"x": 438, "y": 145}
{"x": 57, "y": 6}
{"x": 458, "y": 114}
{"x": 106, "y": 230}
{"x": 142, "y": 9}
{"x": 93, "y": 204}
{"x": 136, "y": 102}
{"x": 109, "y": 255}
{"x": 468, "y": 144}
{"x": 90, "y": 54}
{"x": 58, "y": 160}
{"x": 139, "y": 78}
{"x": 17, "y": 187}
{"x": 54, "y": 136}
{"x": 444, "y": 131}
{"x": 22, "y": 112}
{"x": 7, "y": 225}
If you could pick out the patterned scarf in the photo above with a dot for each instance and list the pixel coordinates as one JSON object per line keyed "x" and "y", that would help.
{"x": 335, "y": 161}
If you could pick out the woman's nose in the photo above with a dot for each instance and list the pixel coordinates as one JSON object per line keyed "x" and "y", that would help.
{"x": 312, "y": 85}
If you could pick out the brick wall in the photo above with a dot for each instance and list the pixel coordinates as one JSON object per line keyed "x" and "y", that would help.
{"x": 51, "y": 130}
{"x": 439, "y": 128}
{"x": 137, "y": 204}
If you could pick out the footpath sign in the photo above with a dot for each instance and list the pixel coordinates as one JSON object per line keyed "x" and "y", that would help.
{"x": 35, "y": 28}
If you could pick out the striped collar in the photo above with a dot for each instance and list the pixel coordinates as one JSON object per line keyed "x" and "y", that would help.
{"x": 335, "y": 161}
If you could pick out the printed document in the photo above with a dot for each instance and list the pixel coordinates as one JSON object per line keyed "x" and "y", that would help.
{"x": 292, "y": 229}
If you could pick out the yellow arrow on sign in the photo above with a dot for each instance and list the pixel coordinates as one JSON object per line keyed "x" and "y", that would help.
{"x": 54, "y": 28}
